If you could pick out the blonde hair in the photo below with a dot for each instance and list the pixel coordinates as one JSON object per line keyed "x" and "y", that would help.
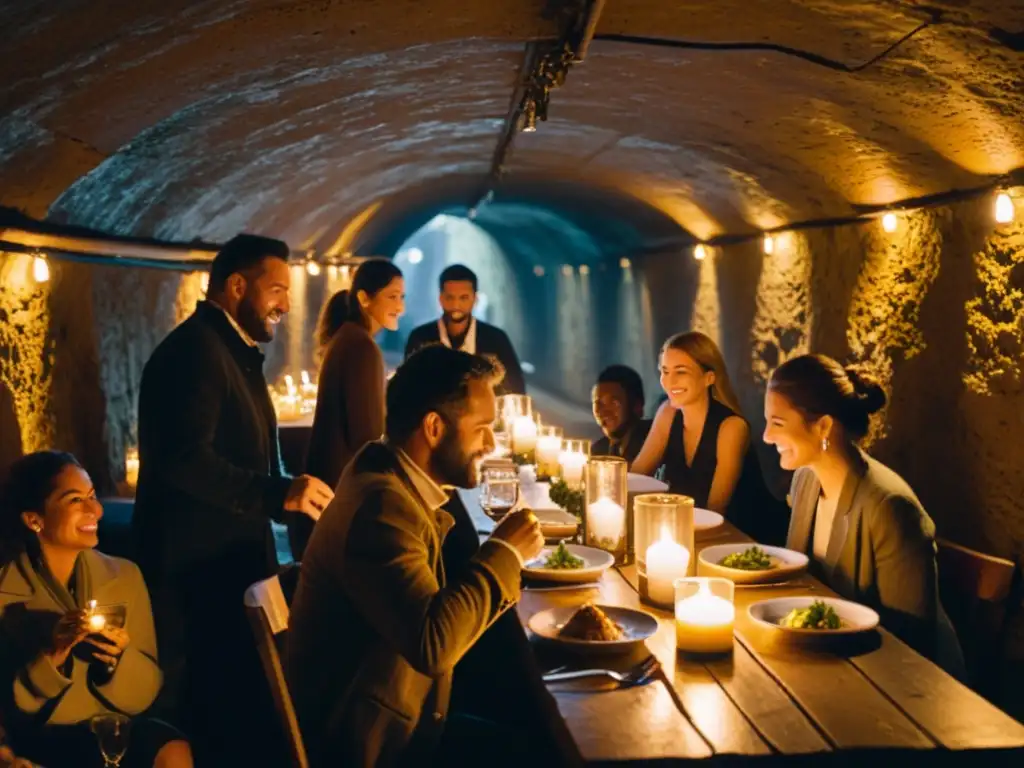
{"x": 709, "y": 357}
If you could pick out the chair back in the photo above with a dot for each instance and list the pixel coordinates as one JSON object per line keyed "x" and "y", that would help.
{"x": 268, "y": 613}
{"x": 975, "y": 590}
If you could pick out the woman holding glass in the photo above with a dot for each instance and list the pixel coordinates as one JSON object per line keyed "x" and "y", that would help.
{"x": 77, "y": 646}
{"x": 700, "y": 441}
{"x": 863, "y": 527}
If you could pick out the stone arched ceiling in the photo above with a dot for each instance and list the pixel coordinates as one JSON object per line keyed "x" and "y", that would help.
{"x": 185, "y": 119}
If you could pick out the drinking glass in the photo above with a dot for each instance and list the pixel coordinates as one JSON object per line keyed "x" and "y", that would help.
{"x": 111, "y": 731}
{"x": 499, "y": 490}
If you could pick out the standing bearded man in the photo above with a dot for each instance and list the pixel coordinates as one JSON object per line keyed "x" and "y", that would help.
{"x": 210, "y": 483}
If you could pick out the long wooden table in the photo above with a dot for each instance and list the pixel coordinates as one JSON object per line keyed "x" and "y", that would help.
{"x": 767, "y": 698}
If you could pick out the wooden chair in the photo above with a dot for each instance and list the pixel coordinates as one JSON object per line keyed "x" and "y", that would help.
{"x": 268, "y": 613}
{"x": 975, "y": 590}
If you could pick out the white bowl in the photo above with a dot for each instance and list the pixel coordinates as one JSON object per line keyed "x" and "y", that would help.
{"x": 786, "y": 564}
{"x": 595, "y": 562}
{"x": 856, "y": 618}
{"x": 705, "y": 519}
{"x": 637, "y": 627}
{"x": 556, "y": 523}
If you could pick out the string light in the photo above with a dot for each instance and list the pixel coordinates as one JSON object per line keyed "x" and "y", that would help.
{"x": 769, "y": 245}
{"x": 700, "y": 252}
{"x": 40, "y": 269}
{"x": 312, "y": 268}
{"x": 889, "y": 222}
{"x": 1004, "y": 208}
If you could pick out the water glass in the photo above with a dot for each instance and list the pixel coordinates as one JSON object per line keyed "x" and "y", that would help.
{"x": 111, "y": 729}
{"x": 499, "y": 490}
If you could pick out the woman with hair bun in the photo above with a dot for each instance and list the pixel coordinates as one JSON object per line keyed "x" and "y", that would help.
{"x": 867, "y": 535}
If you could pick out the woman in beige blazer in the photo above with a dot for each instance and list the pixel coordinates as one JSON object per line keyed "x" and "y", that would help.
{"x": 59, "y": 671}
{"x": 863, "y": 527}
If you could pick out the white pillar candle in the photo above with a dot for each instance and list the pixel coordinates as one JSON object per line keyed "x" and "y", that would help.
{"x": 524, "y": 434}
{"x": 548, "y": 448}
{"x": 605, "y": 521}
{"x": 666, "y": 561}
{"x": 704, "y": 623}
{"x": 572, "y": 467}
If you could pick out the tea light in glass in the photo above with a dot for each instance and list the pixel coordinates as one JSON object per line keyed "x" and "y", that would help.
{"x": 572, "y": 461}
{"x": 549, "y": 447}
{"x": 131, "y": 467}
{"x": 663, "y": 534}
{"x": 705, "y": 615}
{"x": 604, "y": 521}
{"x": 97, "y": 621}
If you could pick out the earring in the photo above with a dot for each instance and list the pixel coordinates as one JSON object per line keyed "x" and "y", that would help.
{"x": 824, "y": 444}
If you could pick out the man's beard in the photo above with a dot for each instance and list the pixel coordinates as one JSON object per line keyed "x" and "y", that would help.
{"x": 250, "y": 321}
{"x": 453, "y": 466}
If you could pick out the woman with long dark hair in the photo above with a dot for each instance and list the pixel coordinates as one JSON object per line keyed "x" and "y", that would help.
{"x": 350, "y": 391}
{"x": 863, "y": 527}
{"x": 63, "y": 666}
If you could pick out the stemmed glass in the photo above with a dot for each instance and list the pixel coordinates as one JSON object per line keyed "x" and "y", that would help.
{"x": 111, "y": 729}
{"x": 500, "y": 490}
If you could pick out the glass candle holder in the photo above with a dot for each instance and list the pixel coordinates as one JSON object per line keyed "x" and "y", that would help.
{"x": 605, "y": 523}
{"x": 521, "y": 425}
{"x": 131, "y": 467}
{"x": 572, "y": 462}
{"x": 549, "y": 448}
{"x": 705, "y": 615}
{"x": 663, "y": 542}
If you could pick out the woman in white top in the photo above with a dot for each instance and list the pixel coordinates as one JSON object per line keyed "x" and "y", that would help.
{"x": 867, "y": 534}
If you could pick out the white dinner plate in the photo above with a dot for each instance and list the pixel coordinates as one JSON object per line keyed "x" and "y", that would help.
{"x": 706, "y": 520}
{"x": 644, "y": 484}
{"x": 855, "y": 618}
{"x": 637, "y": 627}
{"x": 595, "y": 562}
{"x": 785, "y": 564}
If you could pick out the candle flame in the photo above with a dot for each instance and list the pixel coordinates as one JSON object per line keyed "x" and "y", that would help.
{"x": 305, "y": 378}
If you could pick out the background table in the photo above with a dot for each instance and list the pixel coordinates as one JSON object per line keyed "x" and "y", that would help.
{"x": 767, "y": 698}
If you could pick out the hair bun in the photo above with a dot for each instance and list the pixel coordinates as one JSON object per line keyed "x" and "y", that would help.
{"x": 867, "y": 389}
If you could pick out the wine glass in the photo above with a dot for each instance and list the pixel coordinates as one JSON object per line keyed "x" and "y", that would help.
{"x": 111, "y": 729}
{"x": 500, "y": 490}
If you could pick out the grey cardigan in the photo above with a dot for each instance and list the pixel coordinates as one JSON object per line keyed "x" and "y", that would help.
{"x": 881, "y": 553}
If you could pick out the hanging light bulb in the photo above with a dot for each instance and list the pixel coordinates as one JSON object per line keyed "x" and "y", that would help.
{"x": 1004, "y": 208}
{"x": 332, "y": 271}
{"x": 700, "y": 252}
{"x": 538, "y": 271}
{"x": 40, "y": 269}
{"x": 584, "y": 270}
{"x": 312, "y": 268}
{"x": 567, "y": 270}
{"x": 769, "y": 245}
{"x": 889, "y": 222}
{"x": 204, "y": 281}
{"x": 624, "y": 263}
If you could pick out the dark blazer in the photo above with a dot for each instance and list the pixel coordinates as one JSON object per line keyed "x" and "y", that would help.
{"x": 210, "y": 478}
{"x": 634, "y": 442}
{"x": 881, "y": 553}
{"x": 376, "y": 627}
{"x": 490, "y": 340}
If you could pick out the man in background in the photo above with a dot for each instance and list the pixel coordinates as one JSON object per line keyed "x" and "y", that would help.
{"x": 458, "y": 329}
{"x": 618, "y": 402}
{"x": 210, "y": 483}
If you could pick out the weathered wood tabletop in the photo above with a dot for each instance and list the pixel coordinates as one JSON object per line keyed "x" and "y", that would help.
{"x": 767, "y": 697}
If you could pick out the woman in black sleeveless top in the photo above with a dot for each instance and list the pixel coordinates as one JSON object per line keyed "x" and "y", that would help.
{"x": 700, "y": 439}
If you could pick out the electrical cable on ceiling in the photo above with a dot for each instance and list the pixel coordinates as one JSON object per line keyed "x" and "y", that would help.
{"x": 813, "y": 58}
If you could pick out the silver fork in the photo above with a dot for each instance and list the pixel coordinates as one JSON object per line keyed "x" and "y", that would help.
{"x": 635, "y": 676}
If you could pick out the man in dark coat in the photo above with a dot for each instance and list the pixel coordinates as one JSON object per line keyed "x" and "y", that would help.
{"x": 458, "y": 329}
{"x": 618, "y": 402}
{"x": 210, "y": 482}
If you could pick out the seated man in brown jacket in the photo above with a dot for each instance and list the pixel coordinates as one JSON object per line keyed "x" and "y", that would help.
{"x": 376, "y": 628}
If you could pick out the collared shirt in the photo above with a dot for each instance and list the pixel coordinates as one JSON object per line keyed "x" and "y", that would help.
{"x": 234, "y": 324}
{"x": 468, "y": 343}
{"x": 434, "y": 496}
